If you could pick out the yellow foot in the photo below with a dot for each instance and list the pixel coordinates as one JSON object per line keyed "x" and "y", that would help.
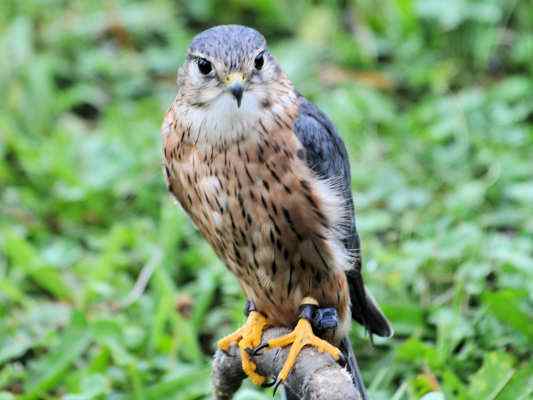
{"x": 248, "y": 337}
{"x": 301, "y": 336}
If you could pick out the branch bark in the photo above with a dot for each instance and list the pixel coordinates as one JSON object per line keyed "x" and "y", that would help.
{"x": 315, "y": 376}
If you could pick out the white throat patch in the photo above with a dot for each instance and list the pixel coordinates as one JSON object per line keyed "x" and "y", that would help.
{"x": 221, "y": 120}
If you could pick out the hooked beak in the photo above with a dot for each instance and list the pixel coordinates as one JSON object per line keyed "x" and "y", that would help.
{"x": 235, "y": 84}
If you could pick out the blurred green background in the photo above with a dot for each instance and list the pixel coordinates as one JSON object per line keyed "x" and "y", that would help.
{"x": 108, "y": 292}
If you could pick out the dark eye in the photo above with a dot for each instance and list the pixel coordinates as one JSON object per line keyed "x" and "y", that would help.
{"x": 259, "y": 60}
{"x": 204, "y": 66}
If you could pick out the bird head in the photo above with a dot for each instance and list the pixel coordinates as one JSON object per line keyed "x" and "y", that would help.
{"x": 230, "y": 79}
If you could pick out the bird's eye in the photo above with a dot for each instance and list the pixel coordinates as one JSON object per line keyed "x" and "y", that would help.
{"x": 259, "y": 60}
{"x": 204, "y": 66}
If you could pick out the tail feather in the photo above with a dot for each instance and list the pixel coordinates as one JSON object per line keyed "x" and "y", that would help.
{"x": 375, "y": 320}
{"x": 347, "y": 350}
{"x": 365, "y": 309}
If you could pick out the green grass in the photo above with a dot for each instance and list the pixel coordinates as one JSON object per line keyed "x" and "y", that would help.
{"x": 434, "y": 100}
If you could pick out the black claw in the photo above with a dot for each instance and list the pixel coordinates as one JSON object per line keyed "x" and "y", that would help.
{"x": 276, "y": 386}
{"x": 250, "y": 351}
{"x": 342, "y": 360}
{"x": 268, "y": 384}
{"x": 257, "y": 350}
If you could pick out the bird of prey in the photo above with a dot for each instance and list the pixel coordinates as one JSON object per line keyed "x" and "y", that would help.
{"x": 265, "y": 177}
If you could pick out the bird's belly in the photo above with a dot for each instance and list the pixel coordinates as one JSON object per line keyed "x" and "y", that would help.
{"x": 274, "y": 266}
{"x": 259, "y": 211}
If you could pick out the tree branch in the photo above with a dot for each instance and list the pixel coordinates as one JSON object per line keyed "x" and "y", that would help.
{"x": 315, "y": 376}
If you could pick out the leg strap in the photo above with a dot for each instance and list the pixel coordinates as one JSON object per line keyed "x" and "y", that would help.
{"x": 249, "y": 307}
{"x": 320, "y": 318}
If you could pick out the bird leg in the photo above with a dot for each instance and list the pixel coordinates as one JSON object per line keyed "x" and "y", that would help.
{"x": 301, "y": 336}
{"x": 247, "y": 337}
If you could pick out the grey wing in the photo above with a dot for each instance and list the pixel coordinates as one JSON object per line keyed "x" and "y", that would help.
{"x": 326, "y": 155}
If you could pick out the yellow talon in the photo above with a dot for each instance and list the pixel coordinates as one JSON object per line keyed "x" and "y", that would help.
{"x": 247, "y": 336}
{"x": 301, "y": 336}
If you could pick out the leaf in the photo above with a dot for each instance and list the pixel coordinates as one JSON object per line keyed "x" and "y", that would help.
{"x": 520, "y": 387}
{"x": 110, "y": 334}
{"x": 509, "y": 306}
{"x": 24, "y": 256}
{"x": 92, "y": 386}
{"x": 415, "y": 351}
{"x": 170, "y": 387}
{"x": 405, "y": 317}
{"x": 521, "y": 192}
{"x": 491, "y": 378}
{"x": 55, "y": 364}
{"x": 15, "y": 346}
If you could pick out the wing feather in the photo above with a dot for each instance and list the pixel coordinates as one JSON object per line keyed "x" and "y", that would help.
{"x": 326, "y": 155}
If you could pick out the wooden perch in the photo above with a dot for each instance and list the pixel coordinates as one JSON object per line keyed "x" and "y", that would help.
{"x": 316, "y": 376}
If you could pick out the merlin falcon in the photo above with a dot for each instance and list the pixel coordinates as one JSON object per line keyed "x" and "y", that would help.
{"x": 265, "y": 177}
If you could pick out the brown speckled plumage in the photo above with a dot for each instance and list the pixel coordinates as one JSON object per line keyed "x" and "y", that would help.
{"x": 266, "y": 182}
{"x": 256, "y": 203}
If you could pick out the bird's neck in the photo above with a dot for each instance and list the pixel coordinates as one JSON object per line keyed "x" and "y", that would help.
{"x": 222, "y": 124}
